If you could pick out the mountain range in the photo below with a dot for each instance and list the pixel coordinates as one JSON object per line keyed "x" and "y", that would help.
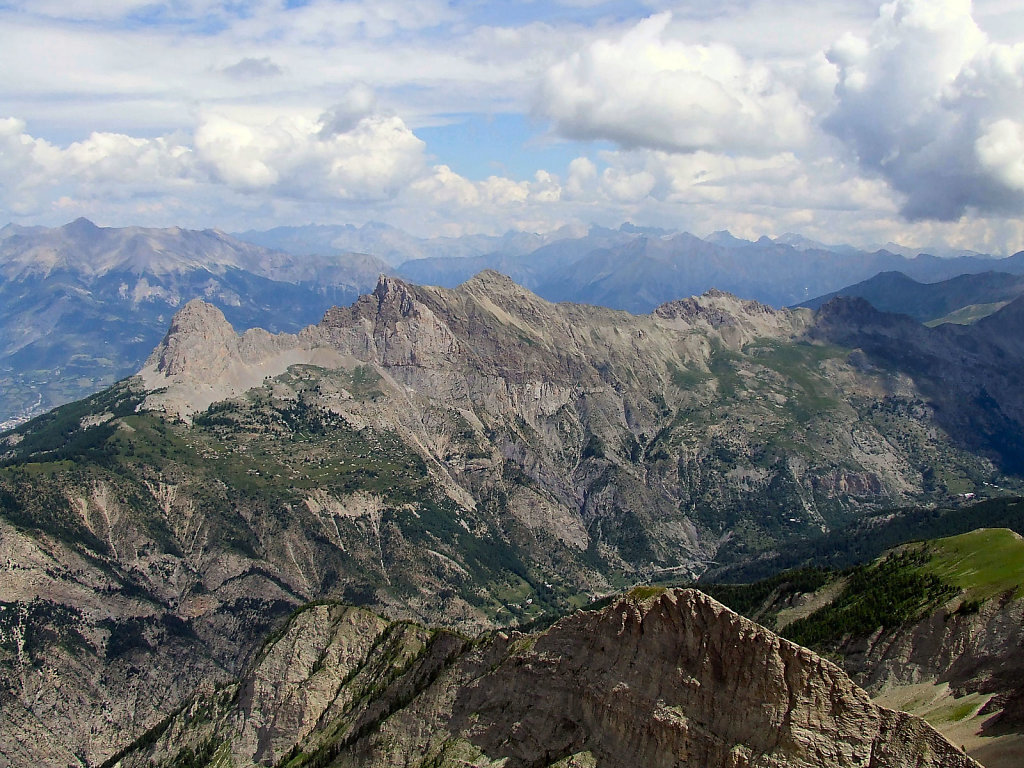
{"x": 474, "y": 457}
{"x": 81, "y": 305}
{"x": 638, "y": 271}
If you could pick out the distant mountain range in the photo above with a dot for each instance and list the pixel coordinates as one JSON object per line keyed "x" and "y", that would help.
{"x": 638, "y": 272}
{"x": 394, "y": 246}
{"x": 637, "y": 268}
{"x": 81, "y": 305}
{"x": 964, "y": 298}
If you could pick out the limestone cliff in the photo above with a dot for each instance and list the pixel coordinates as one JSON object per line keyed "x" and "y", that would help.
{"x": 671, "y": 679}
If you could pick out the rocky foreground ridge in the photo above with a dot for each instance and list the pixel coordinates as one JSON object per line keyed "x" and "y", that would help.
{"x": 476, "y": 457}
{"x": 658, "y": 678}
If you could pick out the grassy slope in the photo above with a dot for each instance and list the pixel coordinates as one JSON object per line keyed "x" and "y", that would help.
{"x": 900, "y": 587}
{"x": 985, "y": 563}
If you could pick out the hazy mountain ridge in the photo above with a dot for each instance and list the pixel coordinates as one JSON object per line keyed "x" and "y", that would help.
{"x": 637, "y": 272}
{"x": 91, "y": 251}
{"x": 637, "y": 268}
{"x": 896, "y": 292}
{"x": 391, "y": 244}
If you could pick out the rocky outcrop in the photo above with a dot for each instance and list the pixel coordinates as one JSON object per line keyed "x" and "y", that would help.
{"x": 961, "y": 669}
{"x": 673, "y": 679}
{"x": 972, "y": 650}
{"x": 202, "y": 360}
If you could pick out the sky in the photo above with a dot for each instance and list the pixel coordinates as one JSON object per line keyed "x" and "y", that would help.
{"x": 846, "y": 121}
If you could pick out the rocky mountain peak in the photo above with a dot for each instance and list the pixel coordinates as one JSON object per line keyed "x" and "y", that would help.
{"x": 202, "y": 360}
{"x": 715, "y": 308}
{"x": 735, "y": 320}
{"x": 80, "y": 227}
{"x": 198, "y": 332}
{"x": 495, "y": 289}
{"x": 394, "y": 294}
{"x": 388, "y": 285}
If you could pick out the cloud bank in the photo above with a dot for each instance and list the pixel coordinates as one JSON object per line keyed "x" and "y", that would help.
{"x": 906, "y": 123}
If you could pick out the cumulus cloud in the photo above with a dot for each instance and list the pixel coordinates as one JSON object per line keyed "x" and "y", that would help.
{"x": 373, "y": 162}
{"x": 102, "y": 166}
{"x": 358, "y": 102}
{"x": 748, "y": 116}
{"x": 931, "y": 105}
{"x": 645, "y": 89}
{"x": 369, "y": 158}
{"x": 290, "y": 157}
{"x": 445, "y": 187}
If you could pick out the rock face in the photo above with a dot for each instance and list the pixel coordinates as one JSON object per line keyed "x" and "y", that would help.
{"x": 945, "y": 642}
{"x": 968, "y": 662}
{"x": 675, "y": 679}
{"x": 972, "y": 651}
{"x": 969, "y": 376}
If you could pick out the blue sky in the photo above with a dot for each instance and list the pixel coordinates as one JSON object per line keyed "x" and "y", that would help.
{"x": 846, "y": 121}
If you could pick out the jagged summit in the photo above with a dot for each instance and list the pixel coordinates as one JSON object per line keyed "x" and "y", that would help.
{"x": 202, "y": 359}
{"x": 737, "y": 320}
{"x": 488, "y": 323}
{"x": 389, "y": 284}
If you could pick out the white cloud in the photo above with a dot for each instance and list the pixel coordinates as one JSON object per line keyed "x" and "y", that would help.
{"x": 582, "y": 178}
{"x": 931, "y": 105}
{"x": 92, "y": 10}
{"x": 645, "y": 89}
{"x": 723, "y": 116}
{"x": 291, "y": 157}
{"x": 1001, "y": 151}
{"x": 316, "y": 159}
{"x": 102, "y": 166}
{"x": 359, "y": 102}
